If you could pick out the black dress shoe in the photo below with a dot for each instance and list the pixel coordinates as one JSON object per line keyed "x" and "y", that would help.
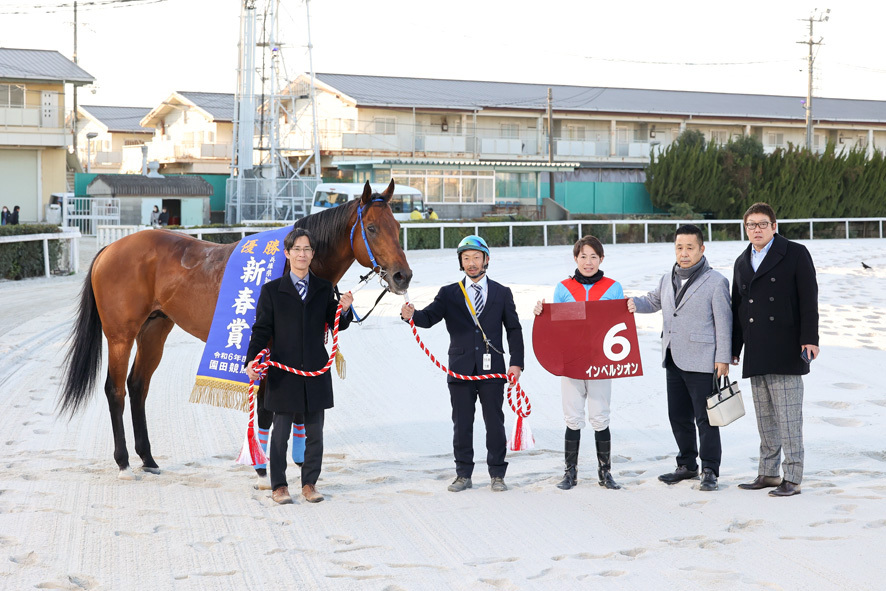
{"x": 785, "y": 489}
{"x": 681, "y": 473}
{"x": 761, "y": 482}
{"x": 708, "y": 480}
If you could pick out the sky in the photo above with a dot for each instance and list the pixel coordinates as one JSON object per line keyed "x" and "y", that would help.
{"x": 139, "y": 51}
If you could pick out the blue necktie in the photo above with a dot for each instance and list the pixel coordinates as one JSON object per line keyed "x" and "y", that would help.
{"x": 478, "y": 298}
{"x": 302, "y": 288}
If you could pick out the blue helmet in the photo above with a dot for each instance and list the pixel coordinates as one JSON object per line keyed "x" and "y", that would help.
{"x": 473, "y": 242}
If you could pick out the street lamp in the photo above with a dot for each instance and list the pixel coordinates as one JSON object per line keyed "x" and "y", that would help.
{"x": 89, "y": 137}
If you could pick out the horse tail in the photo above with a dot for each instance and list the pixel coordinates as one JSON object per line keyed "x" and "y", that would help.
{"x": 84, "y": 358}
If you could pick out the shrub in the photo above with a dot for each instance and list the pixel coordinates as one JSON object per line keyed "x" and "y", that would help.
{"x": 25, "y": 259}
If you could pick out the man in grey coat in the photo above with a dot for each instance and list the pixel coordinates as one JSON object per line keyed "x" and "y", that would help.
{"x": 696, "y": 344}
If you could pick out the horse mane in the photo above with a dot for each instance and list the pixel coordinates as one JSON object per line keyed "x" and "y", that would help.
{"x": 326, "y": 227}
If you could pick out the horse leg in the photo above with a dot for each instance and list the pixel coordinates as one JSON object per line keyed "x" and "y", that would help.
{"x": 149, "y": 351}
{"x": 115, "y": 390}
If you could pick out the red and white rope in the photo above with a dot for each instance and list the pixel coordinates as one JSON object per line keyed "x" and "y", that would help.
{"x": 513, "y": 384}
{"x": 252, "y": 453}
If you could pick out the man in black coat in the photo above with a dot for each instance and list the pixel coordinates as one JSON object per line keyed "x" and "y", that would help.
{"x": 294, "y": 311}
{"x": 775, "y": 315}
{"x": 476, "y": 350}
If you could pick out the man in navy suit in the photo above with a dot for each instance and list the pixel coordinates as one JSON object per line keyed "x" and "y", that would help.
{"x": 475, "y": 311}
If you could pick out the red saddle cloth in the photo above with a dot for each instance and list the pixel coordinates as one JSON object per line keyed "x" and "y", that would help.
{"x": 587, "y": 340}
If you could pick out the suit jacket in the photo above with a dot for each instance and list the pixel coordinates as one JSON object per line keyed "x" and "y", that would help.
{"x": 775, "y": 310}
{"x": 296, "y": 328}
{"x": 466, "y": 347}
{"x": 699, "y": 330}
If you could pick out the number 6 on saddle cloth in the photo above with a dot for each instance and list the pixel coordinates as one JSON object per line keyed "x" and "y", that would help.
{"x": 587, "y": 340}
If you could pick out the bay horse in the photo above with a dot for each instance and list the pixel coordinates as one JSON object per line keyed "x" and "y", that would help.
{"x": 140, "y": 286}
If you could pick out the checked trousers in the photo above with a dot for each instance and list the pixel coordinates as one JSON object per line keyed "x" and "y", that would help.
{"x": 778, "y": 404}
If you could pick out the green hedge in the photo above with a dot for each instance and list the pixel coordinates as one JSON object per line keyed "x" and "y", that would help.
{"x": 722, "y": 181}
{"x": 19, "y": 260}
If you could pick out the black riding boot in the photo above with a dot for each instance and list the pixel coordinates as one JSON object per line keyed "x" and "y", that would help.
{"x": 603, "y": 456}
{"x": 570, "y": 478}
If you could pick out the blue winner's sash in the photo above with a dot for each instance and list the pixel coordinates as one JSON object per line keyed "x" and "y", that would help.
{"x": 221, "y": 377}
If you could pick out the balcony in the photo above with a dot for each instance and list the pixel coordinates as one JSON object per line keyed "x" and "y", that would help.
{"x": 45, "y": 117}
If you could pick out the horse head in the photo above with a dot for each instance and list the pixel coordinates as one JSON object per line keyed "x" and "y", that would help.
{"x": 376, "y": 239}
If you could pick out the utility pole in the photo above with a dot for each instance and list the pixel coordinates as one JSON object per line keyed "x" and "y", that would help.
{"x": 820, "y": 18}
{"x": 74, "y": 119}
{"x": 551, "y": 141}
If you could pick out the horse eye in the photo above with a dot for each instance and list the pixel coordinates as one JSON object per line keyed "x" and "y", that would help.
{"x": 371, "y": 228}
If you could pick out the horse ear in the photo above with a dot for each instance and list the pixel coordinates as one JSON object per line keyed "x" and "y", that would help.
{"x": 389, "y": 192}
{"x": 367, "y": 194}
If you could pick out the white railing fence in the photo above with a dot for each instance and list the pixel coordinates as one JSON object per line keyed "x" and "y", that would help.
{"x": 609, "y": 230}
{"x": 567, "y": 231}
{"x": 73, "y": 251}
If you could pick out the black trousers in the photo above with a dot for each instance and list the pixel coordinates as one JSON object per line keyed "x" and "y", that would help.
{"x": 463, "y": 396}
{"x": 687, "y": 411}
{"x": 279, "y": 446}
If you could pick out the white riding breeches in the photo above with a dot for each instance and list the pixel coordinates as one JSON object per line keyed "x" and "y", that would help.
{"x": 597, "y": 394}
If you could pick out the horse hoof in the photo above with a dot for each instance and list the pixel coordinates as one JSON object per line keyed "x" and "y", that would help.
{"x": 262, "y": 483}
{"x": 151, "y": 469}
{"x": 126, "y": 474}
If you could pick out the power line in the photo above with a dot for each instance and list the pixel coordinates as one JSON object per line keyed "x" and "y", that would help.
{"x": 658, "y": 63}
{"x": 92, "y": 5}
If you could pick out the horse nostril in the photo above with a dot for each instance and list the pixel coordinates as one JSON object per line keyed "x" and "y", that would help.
{"x": 402, "y": 279}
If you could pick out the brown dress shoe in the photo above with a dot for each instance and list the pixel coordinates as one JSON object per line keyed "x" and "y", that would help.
{"x": 761, "y": 482}
{"x": 310, "y": 493}
{"x": 281, "y": 496}
{"x": 785, "y": 489}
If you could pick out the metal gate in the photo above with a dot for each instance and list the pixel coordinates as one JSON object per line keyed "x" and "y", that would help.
{"x": 86, "y": 213}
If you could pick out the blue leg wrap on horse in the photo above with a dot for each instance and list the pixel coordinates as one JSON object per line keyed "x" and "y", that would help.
{"x": 298, "y": 443}
{"x": 263, "y": 440}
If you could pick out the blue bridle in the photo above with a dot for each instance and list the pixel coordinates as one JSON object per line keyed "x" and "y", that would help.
{"x": 372, "y": 260}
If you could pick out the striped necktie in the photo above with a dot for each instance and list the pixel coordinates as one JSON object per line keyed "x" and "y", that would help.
{"x": 302, "y": 288}
{"x": 478, "y": 298}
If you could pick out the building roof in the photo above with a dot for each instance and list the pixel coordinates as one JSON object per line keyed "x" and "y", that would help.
{"x": 219, "y": 105}
{"x": 216, "y": 106}
{"x": 137, "y": 185}
{"x": 120, "y": 119}
{"x": 387, "y": 91}
{"x": 41, "y": 64}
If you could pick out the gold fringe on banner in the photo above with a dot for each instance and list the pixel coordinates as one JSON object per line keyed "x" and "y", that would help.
{"x": 223, "y": 393}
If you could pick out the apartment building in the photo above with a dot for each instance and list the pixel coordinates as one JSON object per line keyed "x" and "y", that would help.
{"x": 462, "y": 141}
{"x": 33, "y": 138}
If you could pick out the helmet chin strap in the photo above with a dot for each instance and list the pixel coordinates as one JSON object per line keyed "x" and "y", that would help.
{"x": 461, "y": 267}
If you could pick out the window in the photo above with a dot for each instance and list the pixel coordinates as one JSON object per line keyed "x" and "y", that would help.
{"x": 385, "y": 125}
{"x": 510, "y": 130}
{"x": 719, "y": 136}
{"x": 12, "y": 95}
{"x": 574, "y": 132}
{"x": 775, "y": 139}
{"x": 133, "y": 142}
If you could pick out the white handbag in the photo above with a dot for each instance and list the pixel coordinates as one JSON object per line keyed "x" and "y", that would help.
{"x": 725, "y": 404}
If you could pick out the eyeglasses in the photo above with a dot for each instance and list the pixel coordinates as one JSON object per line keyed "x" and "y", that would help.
{"x": 299, "y": 250}
{"x": 761, "y": 225}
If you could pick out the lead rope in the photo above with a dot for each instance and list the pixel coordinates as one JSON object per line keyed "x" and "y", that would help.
{"x": 521, "y": 436}
{"x": 252, "y": 454}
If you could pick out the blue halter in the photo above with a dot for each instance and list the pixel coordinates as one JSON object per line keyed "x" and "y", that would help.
{"x": 372, "y": 261}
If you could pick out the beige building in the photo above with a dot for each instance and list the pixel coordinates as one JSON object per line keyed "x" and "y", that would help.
{"x": 115, "y": 129}
{"x": 192, "y": 134}
{"x": 465, "y": 142}
{"x": 33, "y": 138}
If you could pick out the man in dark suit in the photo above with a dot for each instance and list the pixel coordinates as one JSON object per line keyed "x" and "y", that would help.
{"x": 775, "y": 315}
{"x": 294, "y": 311}
{"x": 476, "y": 350}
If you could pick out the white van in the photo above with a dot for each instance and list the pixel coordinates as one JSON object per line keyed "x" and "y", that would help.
{"x": 405, "y": 199}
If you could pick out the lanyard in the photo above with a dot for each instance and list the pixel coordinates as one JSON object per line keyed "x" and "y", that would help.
{"x": 476, "y": 321}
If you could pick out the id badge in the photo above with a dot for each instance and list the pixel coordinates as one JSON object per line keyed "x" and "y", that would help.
{"x": 487, "y": 362}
